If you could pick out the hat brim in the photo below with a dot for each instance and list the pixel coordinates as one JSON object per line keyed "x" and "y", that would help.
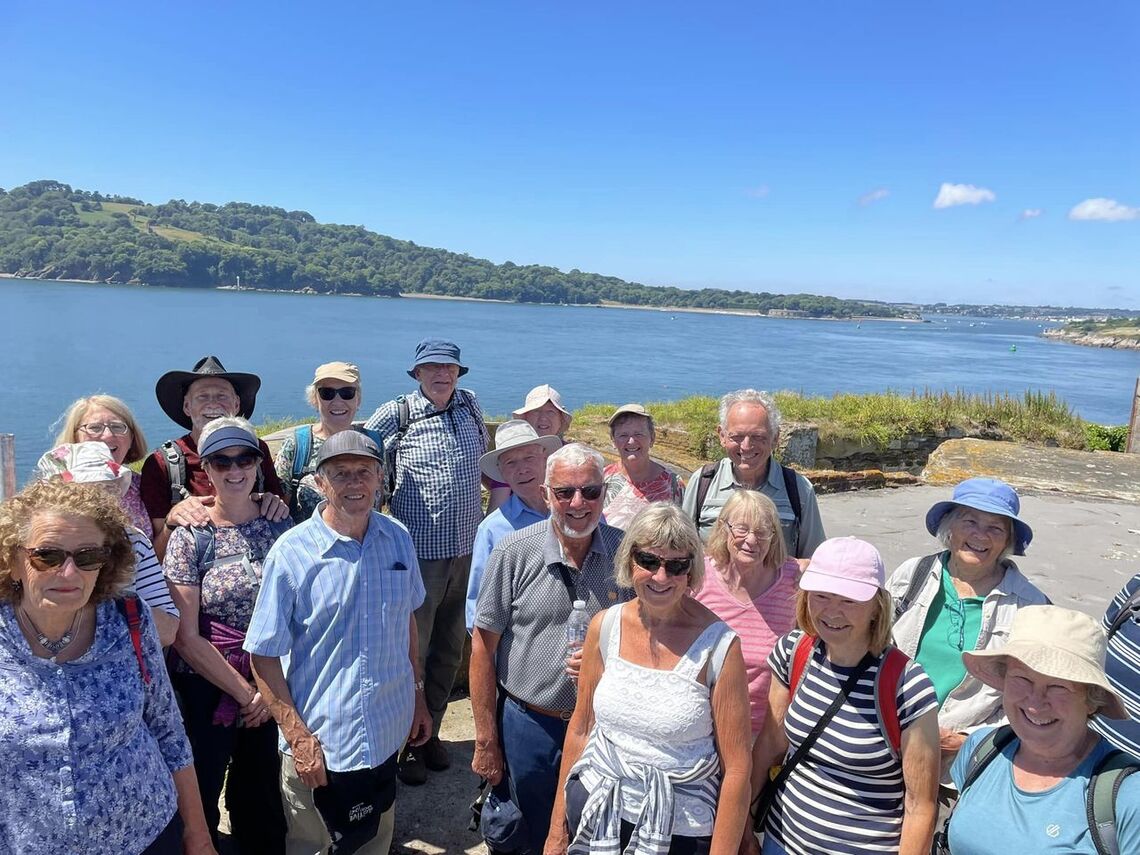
{"x": 986, "y": 665}
{"x": 1022, "y": 533}
{"x": 825, "y": 583}
{"x": 489, "y": 462}
{"x": 170, "y": 390}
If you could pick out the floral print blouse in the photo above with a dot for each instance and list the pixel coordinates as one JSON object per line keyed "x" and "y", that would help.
{"x": 88, "y": 747}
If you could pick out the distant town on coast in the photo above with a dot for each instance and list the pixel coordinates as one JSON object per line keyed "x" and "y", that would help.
{"x": 48, "y": 230}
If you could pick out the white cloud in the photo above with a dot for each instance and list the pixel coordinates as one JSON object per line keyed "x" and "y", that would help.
{"x": 760, "y": 192}
{"x": 874, "y": 196}
{"x": 1031, "y": 214}
{"x": 950, "y": 195}
{"x": 1107, "y": 210}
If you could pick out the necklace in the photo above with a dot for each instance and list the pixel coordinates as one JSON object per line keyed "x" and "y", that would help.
{"x": 54, "y": 647}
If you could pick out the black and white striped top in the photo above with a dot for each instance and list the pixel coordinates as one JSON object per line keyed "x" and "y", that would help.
{"x": 846, "y": 794}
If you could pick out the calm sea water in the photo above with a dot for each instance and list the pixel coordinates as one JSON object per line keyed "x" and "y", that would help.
{"x": 59, "y": 341}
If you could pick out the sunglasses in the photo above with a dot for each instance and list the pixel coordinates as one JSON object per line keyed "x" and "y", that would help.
{"x": 51, "y": 557}
{"x": 590, "y": 492}
{"x": 673, "y": 566}
{"x": 327, "y": 393}
{"x": 224, "y": 463}
{"x": 97, "y": 428}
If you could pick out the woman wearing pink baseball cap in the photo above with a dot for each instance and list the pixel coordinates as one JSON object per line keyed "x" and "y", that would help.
{"x": 853, "y": 722}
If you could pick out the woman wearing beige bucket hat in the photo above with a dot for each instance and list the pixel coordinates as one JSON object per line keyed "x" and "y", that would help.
{"x": 1031, "y": 794}
{"x": 544, "y": 411}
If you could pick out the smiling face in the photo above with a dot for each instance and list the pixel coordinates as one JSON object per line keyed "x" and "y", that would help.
{"x": 337, "y": 414}
{"x": 546, "y": 420}
{"x": 841, "y": 623}
{"x": 95, "y": 415}
{"x": 522, "y": 468}
{"x": 747, "y": 441}
{"x": 208, "y": 399}
{"x": 574, "y": 517}
{"x": 748, "y": 545}
{"x": 65, "y": 588}
{"x": 350, "y": 483}
{"x": 1049, "y": 715}
{"x": 437, "y": 381}
{"x": 232, "y": 471}
{"x": 658, "y": 589}
{"x": 632, "y": 438}
{"x": 977, "y": 539}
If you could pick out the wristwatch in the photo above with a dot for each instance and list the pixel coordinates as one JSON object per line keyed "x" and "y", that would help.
{"x": 418, "y": 685}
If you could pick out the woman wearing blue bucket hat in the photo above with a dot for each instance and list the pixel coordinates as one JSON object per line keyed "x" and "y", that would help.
{"x": 963, "y": 598}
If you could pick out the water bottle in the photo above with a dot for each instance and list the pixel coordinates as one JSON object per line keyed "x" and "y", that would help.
{"x": 576, "y": 627}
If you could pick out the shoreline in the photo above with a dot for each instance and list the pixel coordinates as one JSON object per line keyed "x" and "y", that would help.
{"x": 1093, "y": 339}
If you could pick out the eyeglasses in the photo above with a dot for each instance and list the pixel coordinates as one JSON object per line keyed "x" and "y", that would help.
{"x": 742, "y": 531}
{"x": 591, "y": 492}
{"x": 51, "y": 557}
{"x": 97, "y": 428}
{"x": 741, "y": 438}
{"x": 327, "y": 393}
{"x": 224, "y": 463}
{"x": 673, "y": 566}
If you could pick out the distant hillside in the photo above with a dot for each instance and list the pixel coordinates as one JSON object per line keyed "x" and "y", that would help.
{"x": 50, "y": 231}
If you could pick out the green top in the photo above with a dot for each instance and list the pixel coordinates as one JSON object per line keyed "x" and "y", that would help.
{"x": 952, "y": 625}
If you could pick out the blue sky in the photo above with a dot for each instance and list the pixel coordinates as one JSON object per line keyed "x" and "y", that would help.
{"x": 783, "y": 147}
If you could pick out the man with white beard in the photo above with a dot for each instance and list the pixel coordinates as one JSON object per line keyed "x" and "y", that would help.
{"x": 519, "y": 643}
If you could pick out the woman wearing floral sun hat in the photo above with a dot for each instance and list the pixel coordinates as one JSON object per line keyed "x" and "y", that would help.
{"x": 964, "y": 598}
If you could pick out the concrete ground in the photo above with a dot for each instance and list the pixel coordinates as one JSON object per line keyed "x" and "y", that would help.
{"x": 1083, "y": 551}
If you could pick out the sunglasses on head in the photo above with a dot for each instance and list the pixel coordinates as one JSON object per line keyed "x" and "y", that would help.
{"x": 223, "y": 462}
{"x": 673, "y": 566}
{"x": 50, "y": 557}
{"x": 327, "y": 393}
{"x": 590, "y": 492}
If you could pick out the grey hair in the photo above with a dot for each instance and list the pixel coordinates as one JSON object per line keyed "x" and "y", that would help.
{"x": 750, "y": 396}
{"x": 947, "y": 522}
{"x": 665, "y": 526}
{"x": 574, "y": 454}
{"x": 224, "y": 422}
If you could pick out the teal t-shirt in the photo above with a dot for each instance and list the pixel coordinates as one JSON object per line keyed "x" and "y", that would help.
{"x": 995, "y": 817}
{"x": 952, "y": 625}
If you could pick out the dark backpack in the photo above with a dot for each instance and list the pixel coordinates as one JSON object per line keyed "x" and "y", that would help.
{"x": 1100, "y": 801}
{"x": 791, "y": 487}
{"x": 1129, "y": 611}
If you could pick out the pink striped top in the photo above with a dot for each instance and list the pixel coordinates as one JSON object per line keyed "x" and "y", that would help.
{"x": 759, "y": 624}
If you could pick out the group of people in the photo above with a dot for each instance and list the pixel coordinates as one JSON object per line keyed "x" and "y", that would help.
{"x": 744, "y": 683}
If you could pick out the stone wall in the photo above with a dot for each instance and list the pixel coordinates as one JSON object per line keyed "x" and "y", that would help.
{"x": 801, "y": 446}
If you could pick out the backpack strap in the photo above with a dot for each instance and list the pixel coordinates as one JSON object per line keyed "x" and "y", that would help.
{"x": 204, "y": 545}
{"x": 886, "y": 697}
{"x": 918, "y": 578}
{"x": 302, "y": 447}
{"x": 279, "y": 527}
{"x": 801, "y": 655}
{"x": 1100, "y": 802}
{"x": 703, "y": 482}
{"x": 792, "y": 488}
{"x": 130, "y": 608}
{"x": 986, "y": 750}
{"x": 175, "y": 470}
{"x": 1130, "y": 610}
{"x": 469, "y": 400}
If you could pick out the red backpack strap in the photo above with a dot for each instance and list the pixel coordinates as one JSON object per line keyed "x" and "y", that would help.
{"x": 129, "y": 606}
{"x": 801, "y": 655}
{"x": 886, "y": 696}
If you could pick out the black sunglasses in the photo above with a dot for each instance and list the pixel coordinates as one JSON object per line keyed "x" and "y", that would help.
{"x": 50, "y": 557}
{"x": 327, "y": 393}
{"x": 590, "y": 492}
{"x": 224, "y": 463}
{"x": 673, "y": 566}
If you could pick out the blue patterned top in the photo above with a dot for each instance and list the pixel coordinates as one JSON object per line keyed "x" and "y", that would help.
{"x": 88, "y": 748}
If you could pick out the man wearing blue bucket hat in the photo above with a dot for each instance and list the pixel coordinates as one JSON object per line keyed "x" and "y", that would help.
{"x": 963, "y": 598}
{"x": 433, "y": 438}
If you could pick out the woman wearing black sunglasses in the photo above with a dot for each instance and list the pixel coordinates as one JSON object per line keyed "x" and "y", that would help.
{"x": 335, "y": 394}
{"x": 96, "y": 759}
{"x": 657, "y": 748}
{"x": 214, "y": 574}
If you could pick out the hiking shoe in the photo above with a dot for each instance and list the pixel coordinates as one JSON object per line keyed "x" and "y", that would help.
{"x": 410, "y": 767}
{"x": 435, "y": 755}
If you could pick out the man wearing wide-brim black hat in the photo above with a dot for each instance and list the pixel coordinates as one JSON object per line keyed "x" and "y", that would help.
{"x": 174, "y": 487}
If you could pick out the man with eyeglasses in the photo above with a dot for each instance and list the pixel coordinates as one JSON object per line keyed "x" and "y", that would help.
{"x": 436, "y": 435}
{"x": 333, "y": 644}
{"x": 523, "y": 683}
{"x": 173, "y": 485}
{"x": 748, "y": 431}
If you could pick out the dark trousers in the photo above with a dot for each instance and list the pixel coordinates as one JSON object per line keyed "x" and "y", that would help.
{"x": 532, "y": 746}
{"x": 442, "y": 629}
{"x": 253, "y": 795}
{"x": 169, "y": 840}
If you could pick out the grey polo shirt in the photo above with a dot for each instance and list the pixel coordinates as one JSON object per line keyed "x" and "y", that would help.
{"x": 801, "y": 540}
{"x": 525, "y": 599}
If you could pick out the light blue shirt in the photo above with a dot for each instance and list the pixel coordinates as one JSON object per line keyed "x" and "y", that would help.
{"x": 512, "y": 515}
{"x": 337, "y": 612}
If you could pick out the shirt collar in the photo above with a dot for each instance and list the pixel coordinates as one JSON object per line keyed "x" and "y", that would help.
{"x": 429, "y": 405}
{"x": 552, "y": 550}
{"x": 773, "y": 478}
{"x": 325, "y": 536}
{"x": 515, "y": 509}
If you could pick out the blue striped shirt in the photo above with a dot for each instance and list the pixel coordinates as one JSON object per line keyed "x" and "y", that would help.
{"x": 337, "y": 612}
{"x": 514, "y": 514}
{"x": 846, "y": 794}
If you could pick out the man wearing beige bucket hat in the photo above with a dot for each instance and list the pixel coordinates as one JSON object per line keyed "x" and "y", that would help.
{"x": 1029, "y": 795}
